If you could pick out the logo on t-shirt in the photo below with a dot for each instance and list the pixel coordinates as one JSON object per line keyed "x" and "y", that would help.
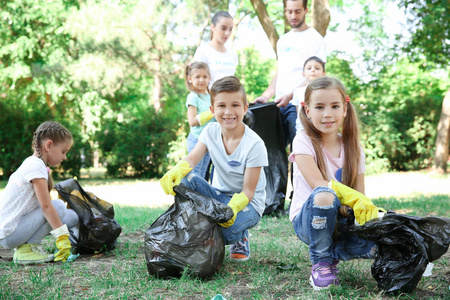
{"x": 234, "y": 163}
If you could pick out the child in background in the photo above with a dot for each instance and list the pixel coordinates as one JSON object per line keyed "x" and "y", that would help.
{"x": 313, "y": 68}
{"x": 238, "y": 155}
{"x": 198, "y": 103}
{"x": 324, "y": 157}
{"x": 27, "y": 213}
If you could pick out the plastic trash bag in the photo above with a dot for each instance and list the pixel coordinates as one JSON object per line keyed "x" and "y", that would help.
{"x": 98, "y": 228}
{"x": 406, "y": 245}
{"x": 187, "y": 236}
{"x": 265, "y": 120}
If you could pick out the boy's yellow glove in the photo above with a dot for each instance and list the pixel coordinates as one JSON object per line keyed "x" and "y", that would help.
{"x": 204, "y": 117}
{"x": 237, "y": 203}
{"x": 362, "y": 206}
{"x": 62, "y": 243}
{"x": 174, "y": 176}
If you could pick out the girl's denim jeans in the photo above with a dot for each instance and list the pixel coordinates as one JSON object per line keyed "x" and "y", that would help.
{"x": 314, "y": 225}
{"x": 245, "y": 219}
{"x": 202, "y": 166}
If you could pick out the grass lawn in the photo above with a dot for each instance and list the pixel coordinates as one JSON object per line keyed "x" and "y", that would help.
{"x": 278, "y": 269}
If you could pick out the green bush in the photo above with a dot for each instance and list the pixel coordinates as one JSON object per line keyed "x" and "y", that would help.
{"x": 254, "y": 72}
{"x": 400, "y": 113}
{"x": 17, "y": 124}
{"x": 137, "y": 147}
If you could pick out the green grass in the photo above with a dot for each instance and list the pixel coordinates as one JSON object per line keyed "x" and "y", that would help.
{"x": 278, "y": 269}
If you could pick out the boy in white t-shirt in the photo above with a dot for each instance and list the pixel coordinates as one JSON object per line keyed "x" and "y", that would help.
{"x": 238, "y": 155}
{"x": 313, "y": 68}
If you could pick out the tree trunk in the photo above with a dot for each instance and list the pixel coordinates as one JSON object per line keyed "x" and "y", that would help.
{"x": 320, "y": 11}
{"x": 50, "y": 104}
{"x": 157, "y": 91}
{"x": 443, "y": 135}
{"x": 266, "y": 22}
{"x": 236, "y": 23}
{"x": 157, "y": 88}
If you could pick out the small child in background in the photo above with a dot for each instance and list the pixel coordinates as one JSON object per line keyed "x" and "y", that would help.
{"x": 198, "y": 103}
{"x": 27, "y": 213}
{"x": 313, "y": 68}
{"x": 328, "y": 176}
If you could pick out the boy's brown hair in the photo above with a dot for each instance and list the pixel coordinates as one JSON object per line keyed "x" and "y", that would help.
{"x": 228, "y": 84}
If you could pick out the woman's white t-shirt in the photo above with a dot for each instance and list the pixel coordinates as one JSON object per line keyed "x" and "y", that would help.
{"x": 220, "y": 64}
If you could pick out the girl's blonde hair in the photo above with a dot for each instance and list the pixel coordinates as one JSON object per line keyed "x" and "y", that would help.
{"x": 188, "y": 72}
{"x": 53, "y": 131}
{"x": 350, "y": 132}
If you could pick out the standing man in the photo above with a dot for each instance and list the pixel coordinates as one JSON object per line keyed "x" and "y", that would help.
{"x": 293, "y": 49}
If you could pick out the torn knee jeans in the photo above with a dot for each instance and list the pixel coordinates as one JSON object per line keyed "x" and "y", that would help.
{"x": 315, "y": 224}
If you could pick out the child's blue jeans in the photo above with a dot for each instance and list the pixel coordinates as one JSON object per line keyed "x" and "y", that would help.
{"x": 245, "y": 219}
{"x": 202, "y": 167}
{"x": 314, "y": 225}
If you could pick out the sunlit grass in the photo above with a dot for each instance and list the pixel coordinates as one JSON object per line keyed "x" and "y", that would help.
{"x": 278, "y": 269}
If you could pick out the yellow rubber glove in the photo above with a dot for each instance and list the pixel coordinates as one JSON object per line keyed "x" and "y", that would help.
{"x": 174, "y": 176}
{"x": 362, "y": 206}
{"x": 204, "y": 117}
{"x": 237, "y": 203}
{"x": 62, "y": 243}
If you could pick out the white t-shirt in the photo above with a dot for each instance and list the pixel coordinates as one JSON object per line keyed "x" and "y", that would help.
{"x": 302, "y": 145}
{"x": 293, "y": 49}
{"x": 229, "y": 169}
{"x": 297, "y": 98}
{"x": 18, "y": 198}
{"x": 220, "y": 64}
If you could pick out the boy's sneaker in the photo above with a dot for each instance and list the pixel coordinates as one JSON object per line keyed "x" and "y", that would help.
{"x": 240, "y": 250}
{"x": 31, "y": 254}
{"x": 322, "y": 276}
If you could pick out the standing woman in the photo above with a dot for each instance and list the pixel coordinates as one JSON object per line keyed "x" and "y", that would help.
{"x": 221, "y": 62}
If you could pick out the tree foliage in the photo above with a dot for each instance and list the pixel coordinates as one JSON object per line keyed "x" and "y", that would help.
{"x": 112, "y": 72}
{"x": 34, "y": 83}
{"x": 428, "y": 31}
{"x": 429, "y": 43}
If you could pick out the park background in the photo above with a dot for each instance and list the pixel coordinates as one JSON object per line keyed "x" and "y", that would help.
{"x": 113, "y": 73}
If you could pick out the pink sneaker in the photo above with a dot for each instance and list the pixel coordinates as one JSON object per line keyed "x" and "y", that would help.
{"x": 334, "y": 266}
{"x": 322, "y": 276}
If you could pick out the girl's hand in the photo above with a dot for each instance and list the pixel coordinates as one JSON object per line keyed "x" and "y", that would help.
{"x": 362, "y": 206}
{"x": 204, "y": 117}
{"x": 62, "y": 243}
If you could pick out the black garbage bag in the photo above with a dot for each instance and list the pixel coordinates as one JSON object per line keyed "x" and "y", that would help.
{"x": 265, "y": 120}
{"x": 98, "y": 228}
{"x": 406, "y": 245}
{"x": 187, "y": 236}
